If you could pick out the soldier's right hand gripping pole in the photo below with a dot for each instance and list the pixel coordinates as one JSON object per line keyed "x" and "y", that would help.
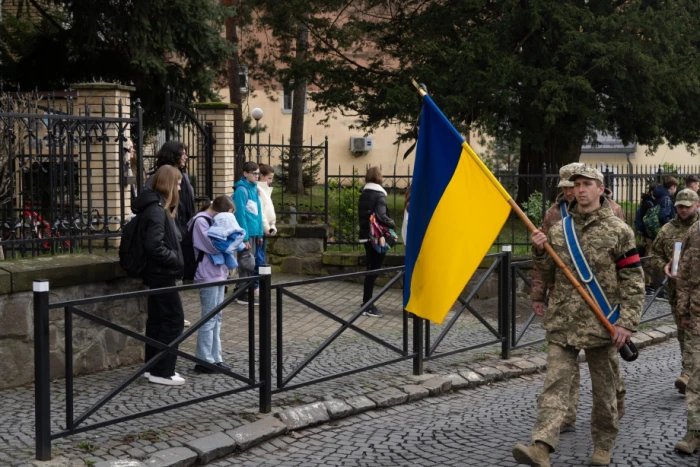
{"x": 628, "y": 351}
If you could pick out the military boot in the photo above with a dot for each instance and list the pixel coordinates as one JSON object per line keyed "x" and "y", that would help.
{"x": 689, "y": 443}
{"x": 682, "y": 383}
{"x": 536, "y": 455}
{"x": 600, "y": 457}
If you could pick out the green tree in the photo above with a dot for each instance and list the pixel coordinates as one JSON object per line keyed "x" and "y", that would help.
{"x": 550, "y": 73}
{"x": 150, "y": 44}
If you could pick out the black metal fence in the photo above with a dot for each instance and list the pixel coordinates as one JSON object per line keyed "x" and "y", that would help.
{"x": 418, "y": 348}
{"x": 184, "y": 123}
{"x": 344, "y": 194}
{"x": 626, "y": 184}
{"x": 310, "y": 205}
{"x": 58, "y": 179}
{"x": 74, "y": 425}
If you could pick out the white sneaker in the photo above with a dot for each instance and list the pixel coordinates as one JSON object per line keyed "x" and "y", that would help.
{"x": 187, "y": 324}
{"x": 148, "y": 375}
{"x": 175, "y": 380}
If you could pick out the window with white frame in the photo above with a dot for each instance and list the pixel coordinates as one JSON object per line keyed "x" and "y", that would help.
{"x": 288, "y": 98}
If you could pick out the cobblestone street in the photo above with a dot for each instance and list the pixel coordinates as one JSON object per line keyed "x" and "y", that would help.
{"x": 479, "y": 427}
{"x": 304, "y": 330}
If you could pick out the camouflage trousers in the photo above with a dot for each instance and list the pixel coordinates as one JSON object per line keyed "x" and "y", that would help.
{"x": 692, "y": 391}
{"x": 683, "y": 338}
{"x": 572, "y": 411}
{"x": 553, "y": 402}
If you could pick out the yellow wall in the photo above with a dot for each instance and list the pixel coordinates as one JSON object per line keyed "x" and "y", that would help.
{"x": 341, "y": 158}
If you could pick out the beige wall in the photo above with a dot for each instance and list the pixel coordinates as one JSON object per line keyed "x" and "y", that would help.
{"x": 679, "y": 156}
{"x": 341, "y": 158}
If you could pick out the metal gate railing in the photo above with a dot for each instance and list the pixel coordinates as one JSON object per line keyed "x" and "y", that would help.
{"x": 183, "y": 123}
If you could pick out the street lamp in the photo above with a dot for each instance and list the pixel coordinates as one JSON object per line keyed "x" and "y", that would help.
{"x": 257, "y": 114}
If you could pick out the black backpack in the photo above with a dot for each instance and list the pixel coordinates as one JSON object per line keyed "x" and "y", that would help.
{"x": 132, "y": 257}
{"x": 187, "y": 245}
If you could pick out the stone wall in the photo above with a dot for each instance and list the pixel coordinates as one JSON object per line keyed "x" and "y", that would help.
{"x": 297, "y": 248}
{"x": 95, "y": 347}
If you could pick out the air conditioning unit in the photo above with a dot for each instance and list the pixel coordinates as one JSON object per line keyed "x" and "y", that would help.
{"x": 360, "y": 143}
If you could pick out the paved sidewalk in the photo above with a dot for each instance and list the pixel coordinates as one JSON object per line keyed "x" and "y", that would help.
{"x": 303, "y": 329}
{"x": 478, "y": 427}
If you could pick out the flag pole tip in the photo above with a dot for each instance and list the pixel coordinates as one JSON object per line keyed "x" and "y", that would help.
{"x": 420, "y": 88}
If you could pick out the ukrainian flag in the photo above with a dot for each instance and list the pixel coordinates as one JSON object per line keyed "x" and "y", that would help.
{"x": 457, "y": 210}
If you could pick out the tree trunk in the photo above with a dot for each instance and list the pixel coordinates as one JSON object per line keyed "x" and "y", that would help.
{"x": 536, "y": 162}
{"x": 234, "y": 87}
{"x": 295, "y": 182}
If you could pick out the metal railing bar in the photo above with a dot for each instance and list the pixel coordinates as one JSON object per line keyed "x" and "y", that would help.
{"x": 165, "y": 350}
{"x": 339, "y": 277}
{"x": 340, "y": 330}
{"x": 126, "y": 418}
{"x": 340, "y": 375}
{"x": 330, "y": 315}
{"x": 655, "y": 318}
{"x": 145, "y": 293}
{"x": 465, "y": 303}
{"x": 465, "y": 349}
{"x": 529, "y": 321}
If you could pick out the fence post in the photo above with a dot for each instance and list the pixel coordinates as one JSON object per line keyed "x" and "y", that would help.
{"x": 266, "y": 338}
{"x": 417, "y": 345}
{"x": 209, "y": 162}
{"x": 325, "y": 194}
{"x": 42, "y": 373}
{"x": 504, "y": 278}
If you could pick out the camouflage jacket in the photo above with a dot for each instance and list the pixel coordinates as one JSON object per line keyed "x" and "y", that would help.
{"x": 538, "y": 288}
{"x": 609, "y": 246}
{"x": 688, "y": 280}
{"x": 662, "y": 249}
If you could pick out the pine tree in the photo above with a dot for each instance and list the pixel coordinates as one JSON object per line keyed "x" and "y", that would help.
{"x": 150, "y": 44}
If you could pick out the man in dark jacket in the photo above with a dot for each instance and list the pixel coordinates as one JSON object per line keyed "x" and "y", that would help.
{"x": 372, "y": 200}
{"x": 663, "y": 198}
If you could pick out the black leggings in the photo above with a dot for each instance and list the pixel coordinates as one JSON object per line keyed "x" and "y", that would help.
{"x": 165, "y": 323}
{"x": 374, "y": 261}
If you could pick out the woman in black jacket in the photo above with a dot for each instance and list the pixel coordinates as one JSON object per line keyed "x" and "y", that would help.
{"x": 157, "y": 208}
{"x": 372, "y": 200}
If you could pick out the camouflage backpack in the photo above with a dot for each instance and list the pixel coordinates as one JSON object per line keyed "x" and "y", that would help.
{"x": 652, "y": 224}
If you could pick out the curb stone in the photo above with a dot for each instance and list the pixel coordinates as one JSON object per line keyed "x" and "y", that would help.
{"x": 247, "y": 436}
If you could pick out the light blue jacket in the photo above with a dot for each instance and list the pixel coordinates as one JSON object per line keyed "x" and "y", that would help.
{"x": 248, "y": 208}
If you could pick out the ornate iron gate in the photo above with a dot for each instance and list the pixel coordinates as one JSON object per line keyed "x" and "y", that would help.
{"x": 184, "y": 123}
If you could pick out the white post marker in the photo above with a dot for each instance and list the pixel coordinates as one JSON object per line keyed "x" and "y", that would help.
{"x": 265, "y": 270}
{"x": 40, "y": 285}
{"x": 505, "y": 248}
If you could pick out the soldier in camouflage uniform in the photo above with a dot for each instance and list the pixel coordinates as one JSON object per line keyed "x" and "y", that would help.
{"x": 538, "y": 288}
{"x": 662, "y": 253}
{"x": 688, "y": 309}
{"x": 609, "y": 245}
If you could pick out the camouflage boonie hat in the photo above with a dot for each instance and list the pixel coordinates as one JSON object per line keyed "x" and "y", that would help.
{"x": 565, "y": 172}
{"x": 588, "y": 172}
{"x": 686, "y": 197}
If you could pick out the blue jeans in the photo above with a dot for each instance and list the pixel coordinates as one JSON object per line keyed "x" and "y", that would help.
{"x": 208, "y": 336}
{"x": 260, "y": 258}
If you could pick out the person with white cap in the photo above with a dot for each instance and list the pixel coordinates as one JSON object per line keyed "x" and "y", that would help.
{"x": 662, "y": 254}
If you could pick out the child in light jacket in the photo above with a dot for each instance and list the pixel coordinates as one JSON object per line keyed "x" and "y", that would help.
{"x": 267, "y": 175}
{"x": 208, "y": 336}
